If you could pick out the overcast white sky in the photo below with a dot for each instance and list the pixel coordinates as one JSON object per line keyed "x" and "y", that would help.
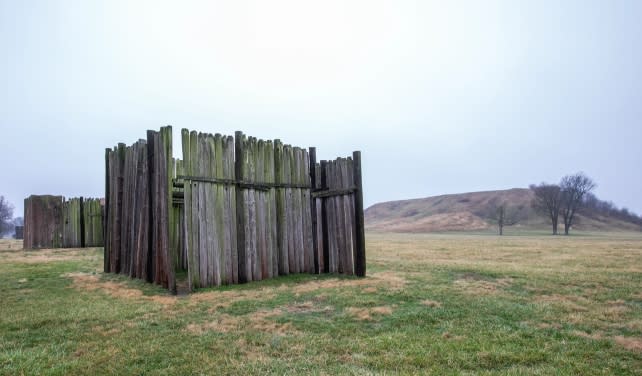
{"x": 440, "y": 97}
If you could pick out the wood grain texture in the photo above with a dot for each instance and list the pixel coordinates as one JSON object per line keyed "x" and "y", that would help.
{"x": 233, "y": 210}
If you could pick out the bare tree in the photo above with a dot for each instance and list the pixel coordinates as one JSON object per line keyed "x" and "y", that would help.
{"x": 503, "y": 215}
{"x": 574, "y": 188}
{"x": 6, "y": 215}
{"x": 547, "y": 200}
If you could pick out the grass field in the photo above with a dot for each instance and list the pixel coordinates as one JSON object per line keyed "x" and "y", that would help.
{"x": 431, "y": 304}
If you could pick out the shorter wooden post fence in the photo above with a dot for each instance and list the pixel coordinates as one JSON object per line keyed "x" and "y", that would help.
{"x": 53, "y": 222}
{"x": 19, "y": 234}
{"x": 234, "y": 209}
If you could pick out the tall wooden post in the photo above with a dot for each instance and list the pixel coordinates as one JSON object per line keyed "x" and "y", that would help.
{"x": 106, "y": 237}
{"x": 164, "y": 202}
{"x": 360, "y": 239}
{"x": 324, "y": 219}
{"x": 239, "y": 169}
{"x": 313, "y": 207}
{"x": 82, "y": 223}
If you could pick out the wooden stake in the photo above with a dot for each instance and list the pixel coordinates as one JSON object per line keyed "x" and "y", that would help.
{"x": 360, "y": 240}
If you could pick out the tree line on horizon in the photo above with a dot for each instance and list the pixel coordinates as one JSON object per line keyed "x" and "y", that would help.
{"x": 561, "y": 203}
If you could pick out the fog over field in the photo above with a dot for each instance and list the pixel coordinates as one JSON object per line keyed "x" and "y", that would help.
{"x": 440, "y": 97}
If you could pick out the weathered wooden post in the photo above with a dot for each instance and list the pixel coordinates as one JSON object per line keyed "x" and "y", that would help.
{"x": 313, "y": 207}
{"x": 106, "y": 217}
{"x": 360, "y": 239}
{"x": 239, "y": 169}
{"x": 281, "y": 212}
{"x": 324, "y": 219}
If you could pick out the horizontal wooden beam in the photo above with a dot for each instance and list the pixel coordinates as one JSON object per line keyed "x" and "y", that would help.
{"x": 261, "y": 186}
{"x": 334, "y": 192}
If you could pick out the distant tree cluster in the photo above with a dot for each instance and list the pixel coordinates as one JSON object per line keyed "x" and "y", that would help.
{"x": 565, "y": 199}
{"x": 6, "y": 216}
{"x": 594, "y": 207}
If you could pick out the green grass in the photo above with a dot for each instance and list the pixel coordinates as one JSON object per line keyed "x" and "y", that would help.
{"x": 437, "y": 304}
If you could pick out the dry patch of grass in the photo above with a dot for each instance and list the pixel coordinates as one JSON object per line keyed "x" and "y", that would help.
{"x": 476, "y": 284}
{"x": 92, "y": 282}
{"x": 369, "y": 314}
{"x": 251, "y": 352}
{"x": 390, "y": 280}
{"x": 571, "y": 303}
{"x": 307, "y": 307}
{"x": 40, "y": 256}
{"x": 223, "y": 299}
{"x": 629, "y": 343}
{"x": 449, "y": 336}
{"x": 10, "y": 245}
{"x": 255, "y": 321}
{"x": 616, "y": 310}
{"x": 223, "y": 324}
{"x": 105, "y": 332}
{"x": 431, "y": 303}
{"x": 595, "y": 336}
{"x": 635, "y": 325}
